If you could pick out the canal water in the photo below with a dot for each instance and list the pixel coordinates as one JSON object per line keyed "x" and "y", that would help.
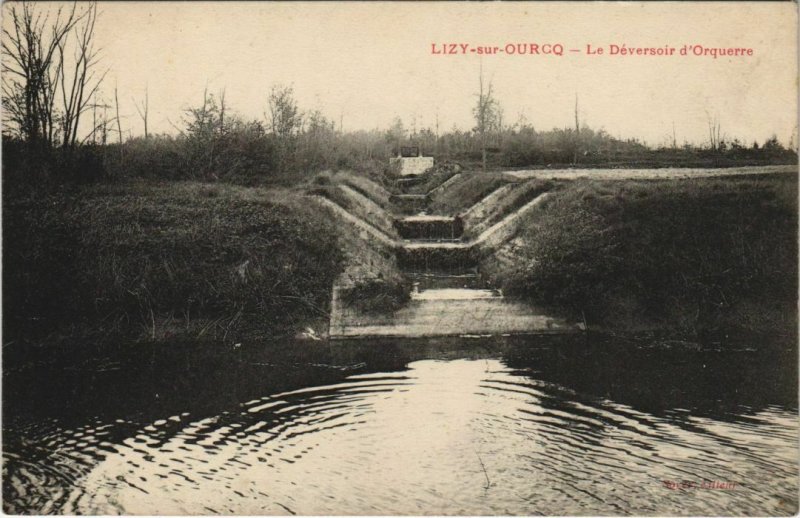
{"x": 488, "y": 428}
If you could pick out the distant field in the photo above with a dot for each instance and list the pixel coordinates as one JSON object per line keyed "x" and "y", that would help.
{"x": 650, "y": 174}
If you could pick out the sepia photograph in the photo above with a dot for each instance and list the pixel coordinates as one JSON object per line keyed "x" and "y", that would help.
{"x": 400, "y": 258}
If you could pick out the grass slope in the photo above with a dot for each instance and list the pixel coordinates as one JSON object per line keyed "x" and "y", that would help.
{"x": 371, "y": 281}
{"x": 519, "y": 195}
{"x": 466, "y": 191}
{"x": 163, "y": 261}
{"x": 698, "y": 256}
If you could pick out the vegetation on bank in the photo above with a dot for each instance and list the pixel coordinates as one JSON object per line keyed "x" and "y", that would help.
{"x": 213, "y": 148}
{"x": 699, "y": 256}
{"x": 160, "y": 262}
{"x": 433, "y": 178}
{"x": 513, "y": 200}
{"x": 356, "y": 197}
{"x": 374, "y": 187}
{"x": 165, "y": 262}
{"x": 465, "y": 192}
{"x": 378, "y": 295}
{"x": 372, "y": 280}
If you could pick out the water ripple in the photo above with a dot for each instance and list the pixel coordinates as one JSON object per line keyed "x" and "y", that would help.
{"x": 442, "y": 437}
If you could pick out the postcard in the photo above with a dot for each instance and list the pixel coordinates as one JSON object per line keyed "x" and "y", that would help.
{"x": 415, "y": 258}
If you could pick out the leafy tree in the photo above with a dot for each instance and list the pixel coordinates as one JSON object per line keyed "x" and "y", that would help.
{"x": 396, "y": 133}
{"x": 284, "y": 116}
{"x": 204, "y": 124}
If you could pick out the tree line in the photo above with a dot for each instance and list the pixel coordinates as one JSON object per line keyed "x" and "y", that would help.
{"x": 54, "y": 124}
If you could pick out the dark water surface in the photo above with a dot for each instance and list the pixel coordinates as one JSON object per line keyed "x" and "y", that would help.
{"x": 458, "y": 428}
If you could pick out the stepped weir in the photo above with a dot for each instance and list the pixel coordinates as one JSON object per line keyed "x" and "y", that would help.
{"x": 449, "y": 297}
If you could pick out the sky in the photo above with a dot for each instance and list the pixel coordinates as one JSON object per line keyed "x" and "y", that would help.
{"x": 367, "y": 63}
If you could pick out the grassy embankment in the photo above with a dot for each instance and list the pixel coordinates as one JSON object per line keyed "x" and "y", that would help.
{"x": 177, "y": 262}
{"x": 371, "y": 280}
{"x": 704, "y": 257}
{"x": 509, "y": 202}
{"x": 467, "y": 190}
{"x": 156, "y": 293}
{"x": 433, "y": 178}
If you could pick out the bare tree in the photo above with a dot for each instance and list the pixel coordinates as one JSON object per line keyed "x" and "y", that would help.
{"x": 714, "y": 131}
{"x": 143, "y": 110}
{"x": 99, "y": 121}
{"x": 218, "y": 128}
{"x": 436, "y": 142}
{"x": 577, "y": 133}
{"x": 222, "y": 106}
{"x": 31, "y": 67}
{"x": 500, "y": 125}
{"x": 104, "y": 133}
{"x": 93, "y": 135}
{"x": 77, "y": 90}
{"x": 119, "y": 125}
{"x": 485, "y": 113}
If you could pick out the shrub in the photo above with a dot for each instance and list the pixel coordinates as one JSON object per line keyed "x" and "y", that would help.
{"x": 377, "y": 295}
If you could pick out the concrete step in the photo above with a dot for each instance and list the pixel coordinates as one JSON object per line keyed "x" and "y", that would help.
{"x": 409, "y": 203}
{"x": 408, "y": 181}
{"x": 450, "y": 313}
{"x": 429, "y": 280}
{"x": 429, "y": 227}
{"x": 450, "y": 256}
{"x": 455, "y": 294}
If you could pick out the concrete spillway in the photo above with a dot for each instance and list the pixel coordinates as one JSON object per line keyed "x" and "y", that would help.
{"x": 427, "y": 227}
{"x": 449, "y": 312}
{"x": 409, "y": 203}
{"x": 443, "y": 257}
{"x": 449, "y": 297}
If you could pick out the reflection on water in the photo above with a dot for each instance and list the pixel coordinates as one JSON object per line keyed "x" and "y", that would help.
{"x": 524, "y": 430}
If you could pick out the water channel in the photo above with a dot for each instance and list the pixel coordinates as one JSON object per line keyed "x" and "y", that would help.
{"x": 463, "y": 426}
